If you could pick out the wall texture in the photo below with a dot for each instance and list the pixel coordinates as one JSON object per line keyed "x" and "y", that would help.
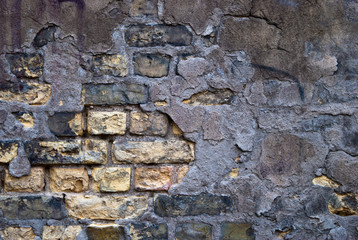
{"x": 167, "y": 119}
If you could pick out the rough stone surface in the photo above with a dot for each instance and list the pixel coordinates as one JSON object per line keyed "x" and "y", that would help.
{"x": 8, "y": 151}
{"x": 68, "y": 179}
{"x": 111, "y": 179}
{"x": 343, "y": 204}
{"x": 171, "y": 151}
{"x": 151, "y": 123}
{"x": 153, "y": 179}
{"x": 151, "y": 65}
{"x": 112, "y": 94}
{"x": 25, "y": 118}
{"x": 157, "y": 35}
{"x": 44, "y": 36}
{"x": 192, "y": 231}
{"x": 217, "y": 97}
{"x": 237, "y": 231}
{"x": 106, "y": 122}
{"x": 11, "y": 233}
{"x": 66, "y": 124}
{"x": 105, "y": 231}
{"x": 32, "y": 207}
{"x": 20, "y": 166}
{"x": 61, "y": 232}
{"x": 191, "y": 205}
{"x": 34, "y": 182}
{"x": 106, "y": 207}
{"x": 141, "y": 231}
{"x": 115, "y": 65}
{"x": 25, "y": 65}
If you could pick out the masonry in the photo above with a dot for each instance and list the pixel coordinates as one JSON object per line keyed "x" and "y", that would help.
{"x": 165, "y": 119}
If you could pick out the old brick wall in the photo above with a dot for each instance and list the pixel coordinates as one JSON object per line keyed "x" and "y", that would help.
{"x": 167, "y": 119}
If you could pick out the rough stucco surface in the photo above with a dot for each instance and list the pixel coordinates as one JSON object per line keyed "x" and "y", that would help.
{"x": 266, "y": 90}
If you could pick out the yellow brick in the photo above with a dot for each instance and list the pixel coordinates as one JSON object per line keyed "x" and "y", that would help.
{"x": 8, "y": 151}
{"x": 34, "y": 182}
{"x": 60, "y": 232}
{"x": 155, "y": 179}
{"x": 111, "y": 179}
{"x": 68, "y": 179}
{"x": 15, "y": 233}
{"x": 106, "y": 123}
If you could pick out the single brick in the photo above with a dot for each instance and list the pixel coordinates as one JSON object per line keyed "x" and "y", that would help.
{"x": 157, "y": 35}
{"x": 12, "y": 233}
{"x": 30, "y": 93}
{"x": 106, "y": 207}
{"x": 34, "y": 182}
{"x": 105, "y": 232}
{"x": 152, "y": 123}
{"x": 113, "y": 94}
{"x": 61, "y": 232}
{"x": 193, "y": 231}
{"x": 151, "y": 65}
{"x": 44, "y": 36}
{"x": 191, "y": 205}
{"x": 32, "y": 207}
{"x": 25, "y": 118}
{"x": 218, "y": 97}
{"x": 169, "y": 151}
{"x": 106, "y": 123}
{"x": 8, "y": 151}
{"x": 114, "y": 65}
{"x": 89, "y": 151}
{"x": 111, "y": 179}
{"x": 66, "y": 124}
{"x": 237, "y": 231}
{"x": 139, "y": 8}
{"x": 68, "y": 179}
{"x": 181, "y": 173}
{"x": 155, "y": 179}
{"x": 26, "y": 65}
{"x": 141, "y": 231}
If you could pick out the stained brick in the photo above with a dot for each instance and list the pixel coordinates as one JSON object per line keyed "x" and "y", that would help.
{"x": 105, "y": 232}
{"x": 68, "y": 179}
{"x": 151, "y": 65}
{"x": 111, "y": 179}
{"x": 26, "y": 65}
{"x": 151, "y": 123}
{"x": 141, "y": 231}
{"x": 66, "y": 124}
{"x": 99, "y": 122}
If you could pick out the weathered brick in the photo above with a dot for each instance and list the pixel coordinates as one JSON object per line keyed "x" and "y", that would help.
{"x": 170, "y": 151}
{"x": 237, "y": 231}
{"x": 68, "y": 179}
{"x": 112, "y": 94}
{"x": 115, "y": 65}
{"x": 191, "y": 205}
{"x": 44, "y": 36}
{"x": 157, "y": 35}
{"x": 107, "y": 207}
{"x": 218, "y": 97}
{"x": 181, "y": 173}
{"x": 141, "y": 231}
{"x": 8, "y": 151}
{"x": 111, "y": 179}
{"x": 30, "y": 93}
{"x": 193, "y": 231}
{"x": 343, "y": 204}
{"x": 12, "y": 233}
{"x": 25, "y": 118}
{"x": 26, "y": 65}
{"x": 89, "y": 151}
{"x": 66, "y": 124}
{"x": 106, "y": 122}
{"x": 61, "y": 232}
{"x": 32, "y": 207}
{"x": 324, "y": 181}
{"x": 154, "y": 179}
{"x": 151, "y": 65}
{"x": 34, "y": 182}
{"x": 140, "y": 8}
{"x": 105, "y": 232}
{"x": 151, "y": 123}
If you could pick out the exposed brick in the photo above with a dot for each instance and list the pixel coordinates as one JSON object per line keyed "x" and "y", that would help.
{"x": 191, "y": 205}
{"x": 30, "y": 93}
{"x": 343, "y": 204}
{"x": 141, "y": 231}
{"x": 68, "y": 179}
{"x": 155, "y": 179}
{"x": 140, "y": 8}
{"x": 193, "y": 231}
{"x": 237, "y": 231}
{"x": 32, "y": 207}
{"x": 151, "y": 123}
{"x": 105, "y": 232}
{"x": 115, "y": 65}
{"x": 151, "y": 65}
{"x": 111, "y": 179}
{"x": 66, "y": 124}
{"x": 61, "y": 232}
{"x": 107, "y": 207}
{"x": 181, "y": 173}
{"x": 218, "y": 97}
{"x": 112, "y": 94}
{"x": 8, "y": 151}
{"x": 34, "y": 182}
{"x": 44, "y": 36}
{"x": 170, "y": 151}
{"x": 25, "y": 118}
{"x": 157, "y": 35}
{"x": 89, "y": 151}
{"x": 26, "y": 65}
{"x": 12, "y": 233}
{"x": 106, "y": 122}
